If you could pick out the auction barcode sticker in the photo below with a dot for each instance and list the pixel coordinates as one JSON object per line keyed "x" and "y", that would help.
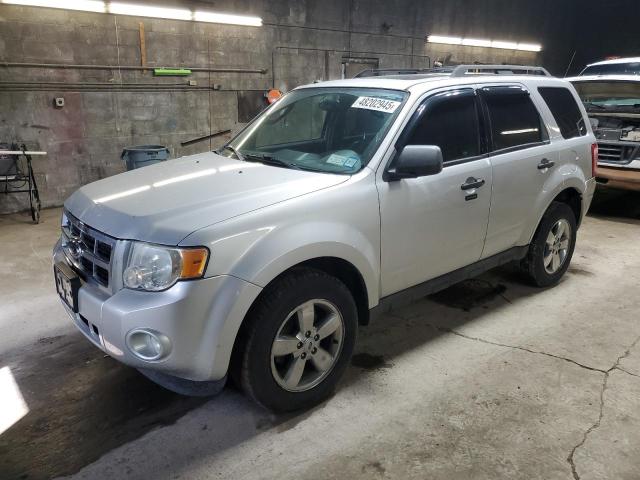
{"x": 377, "y": 104}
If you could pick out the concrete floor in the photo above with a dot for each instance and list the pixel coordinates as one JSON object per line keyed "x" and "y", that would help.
{"x": 488, "y": 379}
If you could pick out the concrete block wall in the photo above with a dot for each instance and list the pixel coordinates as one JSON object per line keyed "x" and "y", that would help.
{"x": 300, "y": 42}
{"x": 608, "y": 29}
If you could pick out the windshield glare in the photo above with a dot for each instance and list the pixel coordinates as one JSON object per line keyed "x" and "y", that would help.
{"x": 334, "y": 130}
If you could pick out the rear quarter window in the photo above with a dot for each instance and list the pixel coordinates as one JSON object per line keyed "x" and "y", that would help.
{"x": 565, "y": 110}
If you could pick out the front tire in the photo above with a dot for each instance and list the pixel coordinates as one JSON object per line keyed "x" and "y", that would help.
{"x": 297, "y": 341}
{"x": 552, "y": 247}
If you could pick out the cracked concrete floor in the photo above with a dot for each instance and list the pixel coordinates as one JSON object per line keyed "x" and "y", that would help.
{"x": 488, "y": 379}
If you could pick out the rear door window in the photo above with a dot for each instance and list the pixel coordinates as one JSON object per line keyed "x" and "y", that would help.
{"x": 450, "y": 122}
{"x": 514, "y": 119}
{"x": 565, "y": 110}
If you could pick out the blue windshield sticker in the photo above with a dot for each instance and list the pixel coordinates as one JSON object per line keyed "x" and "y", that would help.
{"x": 350, "y": 162}
{"x": 335, "y": 159}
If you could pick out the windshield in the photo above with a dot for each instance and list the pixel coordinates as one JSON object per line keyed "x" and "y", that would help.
{"x": 631, "y": 68}
{"x": 603, "y": 95}
{"x": 334, "y": 130}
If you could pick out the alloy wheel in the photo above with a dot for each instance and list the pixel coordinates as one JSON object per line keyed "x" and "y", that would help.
{"x": 557, "y": 246}
{"x": 307, "y": 345}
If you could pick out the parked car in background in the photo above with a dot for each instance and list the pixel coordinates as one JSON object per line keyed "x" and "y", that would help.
{"x": 610, "y": 91}
{"x": 616, "y": 66}
{"x": 342, "y": 200}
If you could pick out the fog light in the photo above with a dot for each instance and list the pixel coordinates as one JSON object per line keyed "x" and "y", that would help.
{"x": 148, "y": 345}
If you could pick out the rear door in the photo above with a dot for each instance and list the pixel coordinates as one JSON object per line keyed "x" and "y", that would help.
{"x": 522, "y": 161}
{"x": 436, "y": 224}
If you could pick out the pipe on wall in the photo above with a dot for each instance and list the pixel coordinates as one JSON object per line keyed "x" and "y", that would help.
{"x": 261, "y": 71}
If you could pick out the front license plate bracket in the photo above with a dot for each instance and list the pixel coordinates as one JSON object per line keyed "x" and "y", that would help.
{"x": 67, "y": 286}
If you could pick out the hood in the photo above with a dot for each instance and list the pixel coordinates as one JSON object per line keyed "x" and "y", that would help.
{"x": 603, "y": 87}
{"x": 611, "y": 94}
{"x": 603, "y": 82}
{"x": 165, "y": 202}
{"x": 604, "y": 78}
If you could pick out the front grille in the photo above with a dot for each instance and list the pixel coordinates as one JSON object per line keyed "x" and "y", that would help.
{"x": 88, "y": 250}
{"x": 620, "y": 152}
{"x": 609, "y": 152}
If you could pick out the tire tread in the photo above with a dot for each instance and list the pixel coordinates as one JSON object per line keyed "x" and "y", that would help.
{"x": 270, "y": 299}
{"x": 529, "y": 265}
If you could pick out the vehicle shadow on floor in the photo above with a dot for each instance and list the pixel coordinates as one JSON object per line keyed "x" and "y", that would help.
{"x": 618, "y": 205}
{"x": 83, "y": 404}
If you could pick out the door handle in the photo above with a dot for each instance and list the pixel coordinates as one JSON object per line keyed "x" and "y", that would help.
{"x": 545, "y": 163}
{"x": 471, "y": 183}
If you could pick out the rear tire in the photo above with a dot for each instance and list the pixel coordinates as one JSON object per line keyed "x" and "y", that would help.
{"x": 552, "y": 246}
{"x": 297, "y": 341}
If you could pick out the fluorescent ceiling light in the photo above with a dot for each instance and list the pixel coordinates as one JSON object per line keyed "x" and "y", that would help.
{"x": 474, "y": 42}
{"x": 447, "y": 40}
{"x": 529, "y": 47}
{"x": 82, "y": 5}
{"x": 148, "y": 11}
{"x": 504, "y": 45}
{"x": 477, "y": 42}
{"x": 138, "y": 10}
{"x": 211, "y": 17}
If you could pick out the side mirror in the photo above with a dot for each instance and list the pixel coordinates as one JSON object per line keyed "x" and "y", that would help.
{"x": 415, "y": 161}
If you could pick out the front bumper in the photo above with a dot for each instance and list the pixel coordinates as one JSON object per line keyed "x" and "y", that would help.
{"x": 201, "y": 318}
{"x": 617, "y": 177}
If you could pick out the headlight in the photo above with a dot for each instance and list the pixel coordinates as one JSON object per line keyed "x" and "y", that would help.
{"x": 154, "y": 267}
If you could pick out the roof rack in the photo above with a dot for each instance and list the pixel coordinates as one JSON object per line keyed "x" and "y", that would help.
{"x": 462, "y": 70}
{"x": 382, "y": 72}
{"x": 458, "y": 71}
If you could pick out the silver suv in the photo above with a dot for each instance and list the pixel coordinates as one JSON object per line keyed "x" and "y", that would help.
{"x": 340, "y": 201}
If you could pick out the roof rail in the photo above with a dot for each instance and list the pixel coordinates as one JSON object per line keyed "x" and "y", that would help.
{"x": 381, "y": 72}
{"x": 462, "y": 70}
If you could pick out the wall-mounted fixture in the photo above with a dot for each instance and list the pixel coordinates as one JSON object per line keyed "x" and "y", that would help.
{"x": 58, "y": 102}
{"x": 171, "y": 72}
{"x": 138, "y": 10}
{"x": 476, "y": 42}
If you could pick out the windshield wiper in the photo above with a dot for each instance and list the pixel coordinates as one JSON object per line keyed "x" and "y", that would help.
{"x": 612, "y": 107}
{"x": 269, "y": 160}
{"x": 234, "y": 151}
{"x": 595, "y": 105}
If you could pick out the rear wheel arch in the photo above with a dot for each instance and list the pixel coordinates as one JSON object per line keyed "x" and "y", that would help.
{"x": 569, "y": 196}
{"x": 549, "y": 242}
{"x": 573, "y": 198}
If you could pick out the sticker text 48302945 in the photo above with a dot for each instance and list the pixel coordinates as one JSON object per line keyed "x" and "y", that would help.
{"x": 377, "y": 104}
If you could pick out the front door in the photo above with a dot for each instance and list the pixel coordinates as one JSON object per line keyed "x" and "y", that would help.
{"x": 436, "y": 224}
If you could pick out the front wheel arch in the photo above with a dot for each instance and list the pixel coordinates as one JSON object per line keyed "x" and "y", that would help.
{"x": 247, "y": 368}
{"x": 339, "y": 268}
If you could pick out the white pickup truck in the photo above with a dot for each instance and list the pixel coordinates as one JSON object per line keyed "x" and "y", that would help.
{"x": 610, "y": 91}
